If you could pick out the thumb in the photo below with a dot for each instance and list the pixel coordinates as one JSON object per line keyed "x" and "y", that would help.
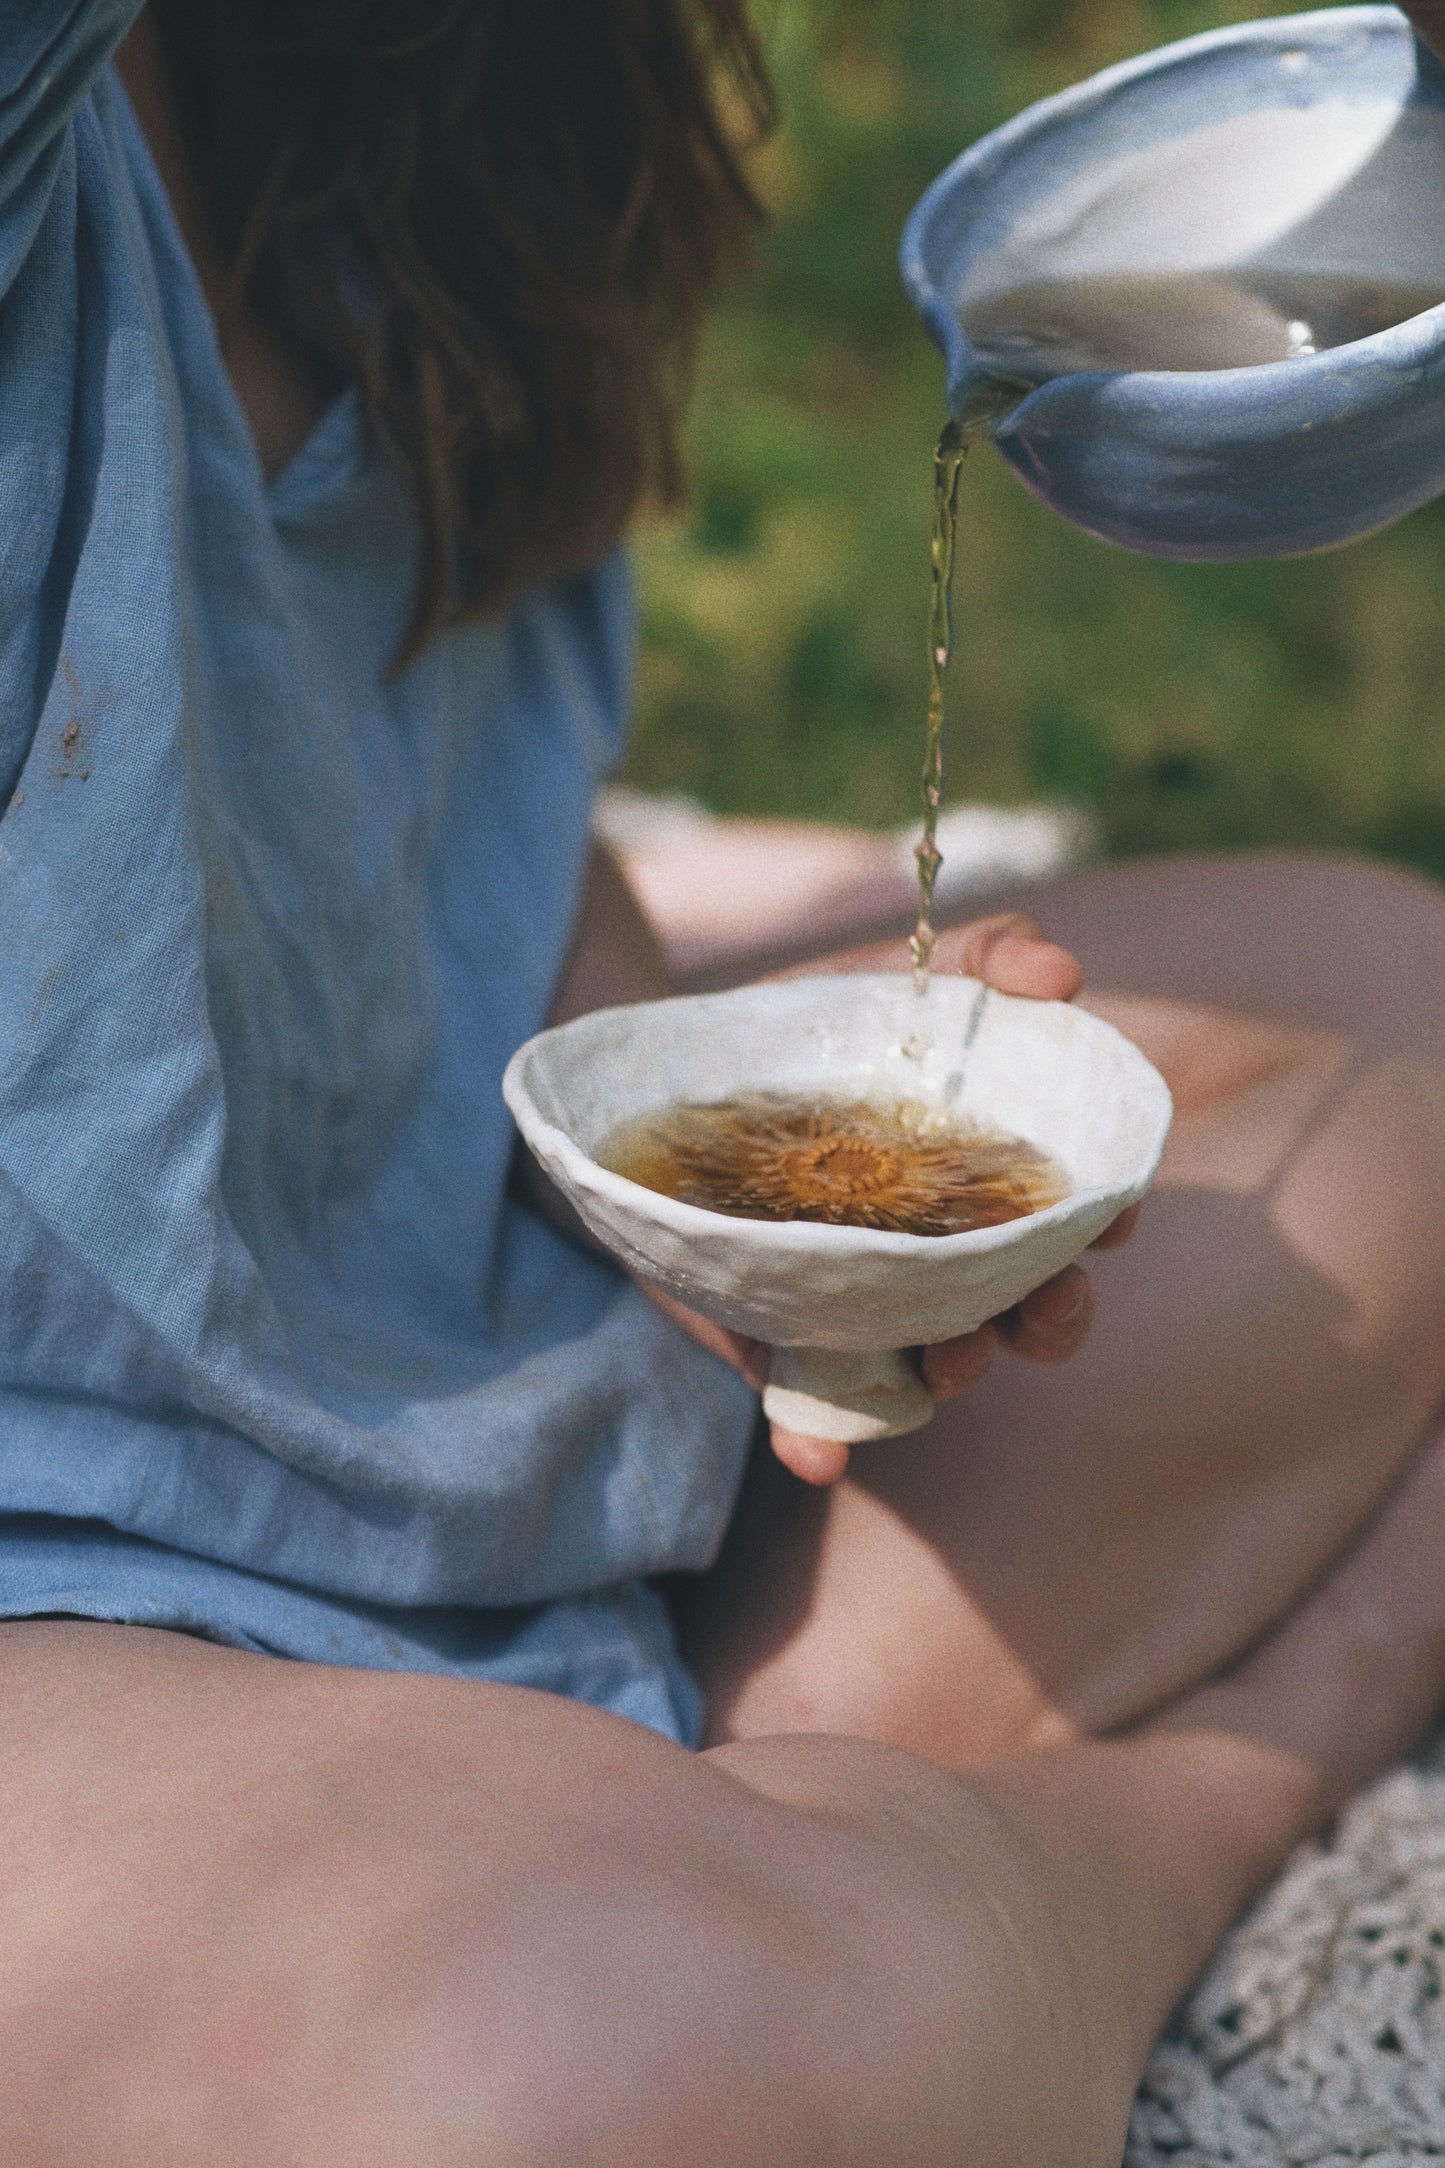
{"x": 813, "y": 1460}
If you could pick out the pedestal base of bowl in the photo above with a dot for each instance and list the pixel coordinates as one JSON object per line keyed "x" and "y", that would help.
{"x": 849, "y": 1398}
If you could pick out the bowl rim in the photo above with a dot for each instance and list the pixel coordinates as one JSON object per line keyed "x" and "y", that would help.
{"x": 784, "y": 1236}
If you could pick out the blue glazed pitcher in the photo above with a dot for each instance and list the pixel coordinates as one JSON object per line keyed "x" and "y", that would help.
{"x": 1274, "y": 158}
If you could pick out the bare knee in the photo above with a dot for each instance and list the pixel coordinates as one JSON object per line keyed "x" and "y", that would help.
{"x": 841, "y": 1964}
{"x": 256, "y": 1911}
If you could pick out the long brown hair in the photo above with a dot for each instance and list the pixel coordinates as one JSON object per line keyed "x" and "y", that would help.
{"x": 503, "y": 217}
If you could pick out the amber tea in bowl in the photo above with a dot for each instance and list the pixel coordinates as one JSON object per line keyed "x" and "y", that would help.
{"x": 904, "y": 1168}
{"x": 841, "y": 1090}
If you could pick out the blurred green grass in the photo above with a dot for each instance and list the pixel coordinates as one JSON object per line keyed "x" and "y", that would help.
{"x": 784, "y": 612}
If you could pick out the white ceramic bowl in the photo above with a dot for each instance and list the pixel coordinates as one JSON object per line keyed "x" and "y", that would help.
{"x": 1041, "y": 1070}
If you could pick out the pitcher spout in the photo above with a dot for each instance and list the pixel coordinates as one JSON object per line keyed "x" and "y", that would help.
{"x": 983, "y": 401}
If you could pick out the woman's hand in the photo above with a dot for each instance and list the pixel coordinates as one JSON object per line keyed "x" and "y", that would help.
{"x": 1049, "y": 1325}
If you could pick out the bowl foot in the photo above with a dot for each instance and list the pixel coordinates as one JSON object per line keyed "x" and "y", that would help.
{"x": 849, "y": 1398}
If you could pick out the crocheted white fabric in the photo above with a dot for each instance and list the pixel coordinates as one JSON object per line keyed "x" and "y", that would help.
{"x": 1318, "y": 2033}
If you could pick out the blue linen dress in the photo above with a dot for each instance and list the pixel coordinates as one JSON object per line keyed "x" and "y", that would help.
{"x": 281, "y": 1360}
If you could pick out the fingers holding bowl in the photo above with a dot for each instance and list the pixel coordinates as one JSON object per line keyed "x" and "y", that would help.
{"x": 1010, "y": 953}
{"x": 950, "y": 1367}
{"x": 1053, "y": 1322}
{"x": 1049, "y": 1325}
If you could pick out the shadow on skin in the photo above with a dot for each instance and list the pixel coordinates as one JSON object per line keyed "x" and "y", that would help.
{"x": 1067, "y": 1547}
{"x": 1040, "y": 1578}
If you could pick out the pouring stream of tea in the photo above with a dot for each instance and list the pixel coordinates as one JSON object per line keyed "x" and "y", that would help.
{"x": 1185, "y": 321}
{"x": 948, "y": 457}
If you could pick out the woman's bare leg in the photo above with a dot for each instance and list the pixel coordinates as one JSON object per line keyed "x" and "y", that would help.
{"x": 1080, "y": 1543}
{"x": 258, "y": 1912}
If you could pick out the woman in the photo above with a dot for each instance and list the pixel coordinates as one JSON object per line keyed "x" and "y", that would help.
{"x": 337, "y": 344}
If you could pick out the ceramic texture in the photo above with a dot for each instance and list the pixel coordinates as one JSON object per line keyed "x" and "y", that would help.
{"x": 1310, "y": 144}
{"x": 1049, "y": 1073}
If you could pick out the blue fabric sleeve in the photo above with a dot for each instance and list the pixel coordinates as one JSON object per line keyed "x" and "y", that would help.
{"x": 50, "y": 56}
